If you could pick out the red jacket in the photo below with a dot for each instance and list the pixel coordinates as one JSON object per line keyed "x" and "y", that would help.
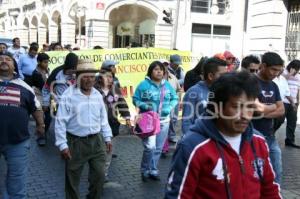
{"x": 197, "y": 171}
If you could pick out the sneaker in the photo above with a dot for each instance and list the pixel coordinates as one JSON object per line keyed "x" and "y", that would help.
{"x": 41, "y": 141}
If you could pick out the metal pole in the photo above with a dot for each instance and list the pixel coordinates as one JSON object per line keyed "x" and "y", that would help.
{"x": 212, "y": 36}
{"x": 176, "y": 24}
{"x": 79, "y": 30}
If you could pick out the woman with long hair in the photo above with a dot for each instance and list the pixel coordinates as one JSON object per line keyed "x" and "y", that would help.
{"x": 147, "y": 97}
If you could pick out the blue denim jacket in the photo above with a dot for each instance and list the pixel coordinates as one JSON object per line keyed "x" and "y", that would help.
{"x": 194, "y": 104}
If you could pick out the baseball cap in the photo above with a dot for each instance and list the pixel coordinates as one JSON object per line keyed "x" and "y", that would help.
{"x": 176, "y": 59}
{"x": 108, "y": 63}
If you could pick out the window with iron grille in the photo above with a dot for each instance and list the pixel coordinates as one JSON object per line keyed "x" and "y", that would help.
{"x": 292, "y": 40}
{"x": 203, "y": 6}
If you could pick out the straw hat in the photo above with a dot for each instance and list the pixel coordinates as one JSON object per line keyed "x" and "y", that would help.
{"x": 86, "y": 66}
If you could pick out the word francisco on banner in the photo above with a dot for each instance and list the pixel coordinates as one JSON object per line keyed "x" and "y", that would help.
{"x": 133, "y": 63}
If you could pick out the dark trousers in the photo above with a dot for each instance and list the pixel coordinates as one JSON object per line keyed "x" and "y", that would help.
{"x": 89, "y": 150}
{"x": 291, "y": 118}
{"x": 47, "y": 119}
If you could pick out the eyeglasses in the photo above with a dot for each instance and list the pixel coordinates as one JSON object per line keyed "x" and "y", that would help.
{"x": 253, "y": 70}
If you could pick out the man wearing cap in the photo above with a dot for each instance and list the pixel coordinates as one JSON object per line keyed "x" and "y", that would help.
{"x": 110, "y": 65}
{"x": 176, "y": 69}
{"x": 17, "y": 102}
{"x": 82, "y": 132}
{"x": 175, "y": 84}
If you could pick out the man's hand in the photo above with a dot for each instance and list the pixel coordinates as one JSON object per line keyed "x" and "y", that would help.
{"x": 260, "y": 107}
{"x": 108, "y": 147}
{"x": 66, "y": 154}
{"x": 40, "y": 129}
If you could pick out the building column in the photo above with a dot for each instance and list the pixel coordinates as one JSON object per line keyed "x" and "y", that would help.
{"x": 97, "y": 32}
{"x": 163, "y": 36}
{"x": 68, "y": 33}
{"x": 53, "y": 33}
{"x": 266, "y": 28}
{"x": 33, "y": 34}
{"x": 237, "y": 28}
{"x": 42, "y": 35}
{"x": 24, "y": 36}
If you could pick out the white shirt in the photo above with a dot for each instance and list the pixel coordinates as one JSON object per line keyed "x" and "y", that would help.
{"x": 234, "y": 142}
{"x": 294, "y": 85}
{"x": 80, "y": 115}
{"x": 283, "y": 86}
{"x": 17, "y": 52}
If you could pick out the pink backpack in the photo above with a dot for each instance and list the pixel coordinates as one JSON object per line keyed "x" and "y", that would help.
{"x": 148, "y": 123}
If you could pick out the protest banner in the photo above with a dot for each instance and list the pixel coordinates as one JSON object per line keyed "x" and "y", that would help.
{"x": 133, "y": 63}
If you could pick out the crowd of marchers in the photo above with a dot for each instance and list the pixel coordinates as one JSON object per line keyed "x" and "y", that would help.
{"x": 226, "y": 146}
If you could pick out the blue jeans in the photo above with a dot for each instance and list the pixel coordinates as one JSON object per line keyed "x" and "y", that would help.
{"x": 173, "y": 122}
{"x": 152, "y": 150}
{"x": 275, "y": 156}
{"x": 16, "y": 156}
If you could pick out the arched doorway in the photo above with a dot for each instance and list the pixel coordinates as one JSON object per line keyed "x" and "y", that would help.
{"x": 26, "y": 38}
{"x": 34, "y": 37}
{"x": 56, "y": 27}
{"x": 134, "y": 29}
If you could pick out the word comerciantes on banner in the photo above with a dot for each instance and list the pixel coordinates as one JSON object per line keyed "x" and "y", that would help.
{"x": 133, "y": 63}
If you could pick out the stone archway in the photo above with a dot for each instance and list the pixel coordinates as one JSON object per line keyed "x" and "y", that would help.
{"x": 34, "y": 30}
{"x": 44, "y": 30}
{"x": 125, "y": 28}
{"x": 55, "y": 27}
